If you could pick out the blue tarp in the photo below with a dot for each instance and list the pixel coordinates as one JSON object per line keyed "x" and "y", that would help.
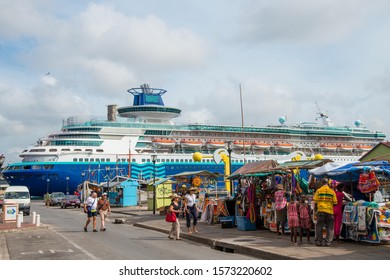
{"x": 351, "y": 172}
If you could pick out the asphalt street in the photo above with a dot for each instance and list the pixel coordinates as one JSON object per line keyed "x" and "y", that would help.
{"x": 65, "y": 239}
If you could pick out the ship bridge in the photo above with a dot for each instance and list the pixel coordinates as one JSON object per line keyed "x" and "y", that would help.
{"x": 148, "y": 105}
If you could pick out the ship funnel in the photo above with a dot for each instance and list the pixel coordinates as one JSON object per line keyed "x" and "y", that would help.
{"x": 111, "y": 113}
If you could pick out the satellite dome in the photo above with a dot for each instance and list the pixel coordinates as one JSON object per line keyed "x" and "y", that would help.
{"x": 358, "y": 123}
{"x": 282, "y": 120}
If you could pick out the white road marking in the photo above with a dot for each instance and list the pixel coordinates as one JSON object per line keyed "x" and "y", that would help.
{"x": 78, "y": 247}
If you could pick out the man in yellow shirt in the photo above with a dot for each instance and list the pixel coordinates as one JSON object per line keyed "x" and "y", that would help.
{"x": 325, "y": 198}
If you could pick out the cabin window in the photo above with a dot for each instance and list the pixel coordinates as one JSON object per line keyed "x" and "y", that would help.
{"x": 80, "y": 159}
{"x": 99, "y": 150}
{"x": 75, "y": 159}
{"x": 53, "y": 150}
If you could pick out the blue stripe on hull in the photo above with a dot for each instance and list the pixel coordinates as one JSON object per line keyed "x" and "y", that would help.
{"x": 40, "y": 180}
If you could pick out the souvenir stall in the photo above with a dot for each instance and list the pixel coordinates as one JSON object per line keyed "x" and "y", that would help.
{"x": 367, "y": 217}
{"x": 213, "y": 201}
{"x": 254, "y": 187}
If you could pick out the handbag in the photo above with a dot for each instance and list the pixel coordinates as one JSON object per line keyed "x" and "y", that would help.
{"x": 368, "y": 182}
{"x": 170, "y": 217}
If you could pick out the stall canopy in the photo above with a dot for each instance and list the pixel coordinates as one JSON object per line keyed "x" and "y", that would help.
{"x": 330, "y": 166}
{"x": 203, "y": 173}
{"x": 259, "y": 168}
{"x": 351, "y": 171}
{"x": 303, "y": 164}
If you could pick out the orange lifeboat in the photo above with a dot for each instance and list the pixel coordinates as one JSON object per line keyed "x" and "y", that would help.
{"x": 260, "y": 145}
{"x": 241, "y": 144}
{"x": 345, "y": 148}
{"x": 164, "y": 142}
{"x": 363, "y": 148}
{"x": 191, "y": 143}
{"x": 215, "y": 144}
{"x": 283, "y": 146}
{"x": 328, "y": 147}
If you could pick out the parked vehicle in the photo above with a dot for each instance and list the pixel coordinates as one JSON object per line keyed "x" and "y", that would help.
{"x": 56, "y": 198}
{"x": 70, "y": 200}
{"x": 19, "y": 195}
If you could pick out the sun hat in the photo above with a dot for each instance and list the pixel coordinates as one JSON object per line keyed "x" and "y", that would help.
{"x": 192, "y": 189}
{"x": 104, "y": 194}
{"x": 173, "y": 196}
{"x": 279, "y": 186}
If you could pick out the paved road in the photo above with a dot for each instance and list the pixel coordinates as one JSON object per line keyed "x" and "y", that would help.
{"x": 66, "y": 240}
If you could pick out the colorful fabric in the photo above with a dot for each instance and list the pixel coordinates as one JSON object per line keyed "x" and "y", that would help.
{"x": 325, "y": 198}
{"x": 280, "y": 200}
{"x": 292, "y": 214}
{"x": 361, "y": 218}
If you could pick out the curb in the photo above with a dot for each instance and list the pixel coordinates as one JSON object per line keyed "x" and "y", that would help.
{"x": 23, "y": 229}
{"x": 224, "y": 246}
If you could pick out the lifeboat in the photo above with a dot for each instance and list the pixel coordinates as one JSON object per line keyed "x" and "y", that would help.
{"x": 164, "y": 142}
{"x": 240, "y": 144}
{"x": 283, "y": 146}
{"x": 260, "y": 145}
{"x": 328, "y": 147}
{"x": 191, "y": 143}
{"x": 215, "y": 144}
{"x": 345, "y": 148}
{"x": 363, "y": 148}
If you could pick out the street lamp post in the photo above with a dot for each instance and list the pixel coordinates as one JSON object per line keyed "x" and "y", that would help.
{"x": 229, "y": 150}
{"x": 154, "y": 158}
{"x": 108, "y": 177}
{"x": 67, "y": 184}
{"x": 47, "y": 192}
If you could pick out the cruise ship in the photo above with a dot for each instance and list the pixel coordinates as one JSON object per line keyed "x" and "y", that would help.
{"x": 143, "y": 141}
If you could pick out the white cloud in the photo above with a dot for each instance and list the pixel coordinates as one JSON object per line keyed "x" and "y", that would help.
{"x": 305, "y": 21}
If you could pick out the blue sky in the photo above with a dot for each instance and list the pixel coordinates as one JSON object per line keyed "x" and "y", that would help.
{"x": 285, "y": 54}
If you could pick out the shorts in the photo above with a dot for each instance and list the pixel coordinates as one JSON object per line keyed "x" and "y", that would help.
{"x": 281, "y": 215}
{"x": 92, "y": 214}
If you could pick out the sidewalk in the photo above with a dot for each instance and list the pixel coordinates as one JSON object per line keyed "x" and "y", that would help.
{"x": 262, "y": 244}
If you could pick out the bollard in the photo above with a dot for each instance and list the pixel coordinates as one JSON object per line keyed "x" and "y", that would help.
{"x": 21, "y": 219}
{"x": 18, "y": 220}
{"x": 34, "y": 217}
{"x": 38, "y": 223}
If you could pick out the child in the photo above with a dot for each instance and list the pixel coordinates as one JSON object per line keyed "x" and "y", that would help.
{"x": 304, "y": 218}
{"x": 293, "y": 219}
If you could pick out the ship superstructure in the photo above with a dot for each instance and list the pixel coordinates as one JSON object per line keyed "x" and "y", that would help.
{"x": 98, "y": 149}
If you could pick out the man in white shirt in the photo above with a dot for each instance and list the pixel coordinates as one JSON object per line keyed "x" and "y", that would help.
{"x": 90, "y": 207}
{"x": 190, "y": 210}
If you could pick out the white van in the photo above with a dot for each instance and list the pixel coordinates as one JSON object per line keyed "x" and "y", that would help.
{"x": 19, "y": 195}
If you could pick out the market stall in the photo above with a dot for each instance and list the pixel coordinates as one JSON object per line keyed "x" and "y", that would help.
{"x": 367, "y": 217}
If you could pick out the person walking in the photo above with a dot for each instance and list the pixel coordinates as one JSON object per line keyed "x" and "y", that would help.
{"x": 324, "y": 199}
{"x": 104, "y": 209}
{"x": 281, "y": 208}
{"x": 191, "y": 210}
{"x": 90, "y": 207}
{"x": 175, "y": 208}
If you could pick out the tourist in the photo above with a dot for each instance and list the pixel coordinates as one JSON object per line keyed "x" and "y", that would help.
{"x": 293, "y": 219}
{"x": 324, "y": 199}
{"x": 281, "y": 209}
{"x": 175, "y": 208}
{"x": 90, "y": 207}
{"x": 191, "y": 210}
{"x": 104, "y": 209}
{"x": 304, "y": 218}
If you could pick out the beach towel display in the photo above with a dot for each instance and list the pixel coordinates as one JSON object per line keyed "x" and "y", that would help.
{"x": 361, "y": 224}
